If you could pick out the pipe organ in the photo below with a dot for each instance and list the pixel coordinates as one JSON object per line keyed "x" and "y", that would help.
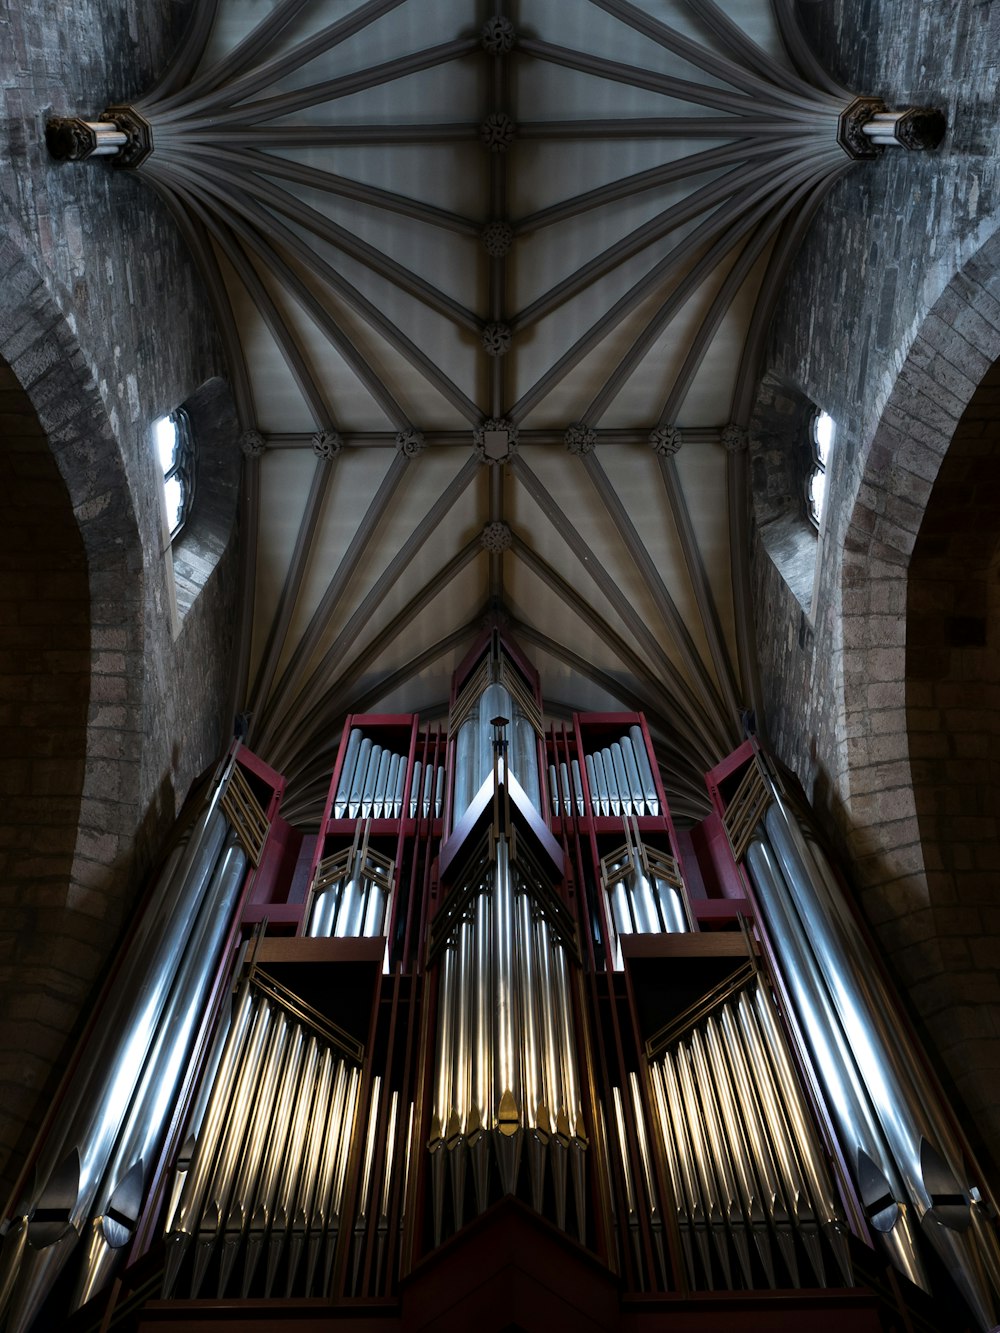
{"x": 497, "y": 992}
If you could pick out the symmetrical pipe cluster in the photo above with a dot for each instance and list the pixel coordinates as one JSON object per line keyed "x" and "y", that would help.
{"x": 94, "y": 1171}
{"x": 372, "y": 781}
{"x": 351, "y": 892}
{"x": 506, "y": 1074}
{"x": 908, "y": 1164}
{"x": 620, "y": 778}
{"x": 266, "y": 1162}
{"x": 747, "y": 1172}
{"x": 644, "y": 888}
{"x": 474, "y": 747}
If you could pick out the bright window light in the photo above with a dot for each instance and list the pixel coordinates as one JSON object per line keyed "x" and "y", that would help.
{"x": 822, "y": 431}
{"x": 175, "y": 453}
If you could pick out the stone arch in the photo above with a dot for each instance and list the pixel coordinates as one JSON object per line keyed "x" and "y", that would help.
{"x": 67, "y": 920}
{"x": 952, "y": 352}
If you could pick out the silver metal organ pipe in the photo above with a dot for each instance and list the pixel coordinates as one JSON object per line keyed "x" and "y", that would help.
{"x": 595, "y": 804}
{"x": 875, "y": 1172}
{"x": 358, "y": 778}
{"x": 567, "y": 797}
{"x": 240, "y": 1114}
{"x": 459, "y": 1108}
{"x": 148, "y": 1115}
{"x": 699, "y": 1208}
{"x": 507, "y": 1081}
{"x": 632, "y": 778}
{"x": 645, "y": 770}
{"x": 481, "y": 1115}
{"x": 631, "y": 1211}
{"x": 399, "y": 788}
{"x": 611, "y": 778}
{"x": 441, "y": 1106}
{"x": 555, "y": 797}
{"x": 432, "y": 780}
{"x": 524, "y": 754}
{"x": 342, "y": 798}
{"x": 367, "y": 1170}
{"x": 83, "y": 1137}
{"x": 577, "y": 786}
{"x": 415, "y": 789}
{"x": 603, "y": 793}
{"x": 906, "y": 1106}
{"x": 371, "y": 781}
{"x": 716, "y": 1085}
{"x": 390, "y": 1152}
{"x": 439, "y": 792}
{"x": 389, "y": 795}
{"x": 681, "y": 1213}
{"x": 381, "y": 785}
{"x": 621, "y": 779}
{"x": 336, "y": 1205}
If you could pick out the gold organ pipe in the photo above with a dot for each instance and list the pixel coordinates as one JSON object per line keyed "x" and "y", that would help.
{"x": 262, "y": 1210}
{"x": 632, "y": 1214}
{"x": 698, "y": 1208}
{"x": 738, "y": 1190}
{"x": 535, "y": 1111}
{"x": 306, "y": 1193}
{"x": 707, "y": 1182}
{"x": 361, "y": 1224}
{"x": 288, "y": 1181}
{"x": 238, "y": 1116}
{"x": 646, "y": 1161}
{"x": 809, "y": 1149}
{"x": 725, "y": 1036}
{"x": 320, "y": 1221}
{"x": 259, "y": 1129}
{"x": 336, "y": 1206}
{"x": 673, "y": 1170}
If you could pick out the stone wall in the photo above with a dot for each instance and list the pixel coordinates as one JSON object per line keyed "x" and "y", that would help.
{"x": 884, "y": 335}
{"x": 103, "y": 324}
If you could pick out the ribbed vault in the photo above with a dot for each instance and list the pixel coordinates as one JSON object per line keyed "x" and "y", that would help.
{"x": 493, "y": 281}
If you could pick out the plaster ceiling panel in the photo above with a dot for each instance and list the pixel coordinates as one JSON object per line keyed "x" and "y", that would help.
{"x": 531, "y": 600}
{"x": 546, "y": 172}
{"x": 278, "y": 401}
{"x": 426, "y": 478}
{"x": 456, "y": 605}
{"x": 286, "y": 476}
{"x": 644, "y": 395}
{"x": 421, "y": 692}
{"x": 449, "y": 175}
{"x": 455, "y": 265}
{"x": 565, "y": 690}
{"x": 357, "y": 476}
{"x": 635, "y": 474}
{"x": 546, "y": 257}
{"x": 407, "y": 28}
{"x": 702, "y": 469}
{"x": 421, "y": 401}
{"x": 232, "y": 23}
{"x": 711, "y": 390}
{"x": 571, "y": 394}
{"x": 577, "y": 497}
{"x": 451, "y": 91}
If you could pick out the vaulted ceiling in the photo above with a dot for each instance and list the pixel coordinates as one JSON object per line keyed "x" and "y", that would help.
{"x": 494, "y": 281}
